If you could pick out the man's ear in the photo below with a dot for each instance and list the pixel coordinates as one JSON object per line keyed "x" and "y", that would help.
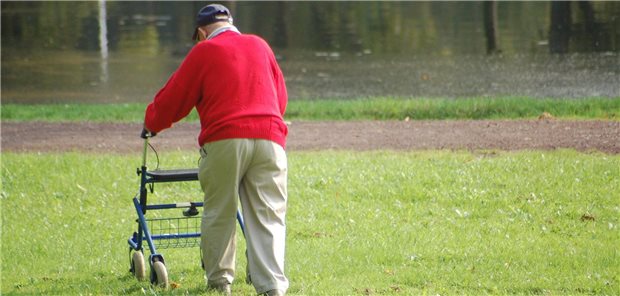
{"x": 203, "y": 32}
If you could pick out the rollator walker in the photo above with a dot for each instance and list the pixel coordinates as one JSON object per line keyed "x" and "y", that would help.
{"x": 180, "y": 231}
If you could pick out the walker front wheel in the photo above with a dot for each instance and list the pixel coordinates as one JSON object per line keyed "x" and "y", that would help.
{"x": 161, "y": 275}
{"x": 138, "y": 266}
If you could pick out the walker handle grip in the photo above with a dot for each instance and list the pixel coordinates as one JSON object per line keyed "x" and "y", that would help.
{"x": 147, "y": 134}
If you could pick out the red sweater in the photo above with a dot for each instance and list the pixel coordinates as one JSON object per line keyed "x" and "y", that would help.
{"x": 235, "y": 84}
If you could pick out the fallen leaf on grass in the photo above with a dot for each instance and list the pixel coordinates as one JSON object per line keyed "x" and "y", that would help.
{"x": 174, "y": 285}
{"x": 365, "y": 291}
{"x": 545, "y": 116}
{"x": 587, "y": 217}
{"x": 321, "y": 234}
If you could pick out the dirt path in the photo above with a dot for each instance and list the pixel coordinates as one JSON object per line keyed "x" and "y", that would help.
{"x": 357, "y": 135}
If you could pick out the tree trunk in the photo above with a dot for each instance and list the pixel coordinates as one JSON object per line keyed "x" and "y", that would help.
{"x": 591, "y": 30}
{"x": 490, "y": 26}
{"x": 559, "y": 33}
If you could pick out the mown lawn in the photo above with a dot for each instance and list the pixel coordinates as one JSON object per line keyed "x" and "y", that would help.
{"x": 359, "y": 223}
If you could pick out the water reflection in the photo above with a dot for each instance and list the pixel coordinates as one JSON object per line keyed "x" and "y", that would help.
{"x": 573, "y": 76}
{"x": 51, "y": 53}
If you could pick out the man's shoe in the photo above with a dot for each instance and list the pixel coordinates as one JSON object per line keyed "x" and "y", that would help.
{"x": 223, "y": 289}
{"x": 273, "y": 293}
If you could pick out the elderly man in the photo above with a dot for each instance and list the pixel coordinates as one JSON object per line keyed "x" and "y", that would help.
{"x": 237, "y": 87}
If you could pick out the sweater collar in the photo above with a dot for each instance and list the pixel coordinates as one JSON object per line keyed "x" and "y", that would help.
{"x": 222, "y": 30}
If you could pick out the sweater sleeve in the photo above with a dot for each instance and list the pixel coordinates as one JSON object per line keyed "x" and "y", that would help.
{"x": 178, "y": 96}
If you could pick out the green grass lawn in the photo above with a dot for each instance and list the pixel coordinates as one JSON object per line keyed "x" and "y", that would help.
{"x": 364, "y": 223}
{"x": 360, "y": 109}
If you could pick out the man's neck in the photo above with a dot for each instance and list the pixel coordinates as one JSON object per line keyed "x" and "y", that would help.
{"x": 222, "y": 28}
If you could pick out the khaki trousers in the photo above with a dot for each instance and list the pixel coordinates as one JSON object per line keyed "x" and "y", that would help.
{"x": 254, "y": 172}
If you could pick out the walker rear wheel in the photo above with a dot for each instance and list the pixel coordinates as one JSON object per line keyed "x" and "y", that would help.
{"x": 137, "y": 265}
{"x": 161, "y": 274}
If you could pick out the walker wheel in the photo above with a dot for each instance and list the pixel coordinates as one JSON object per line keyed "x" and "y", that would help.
{"x": 161, "y": 275}
{"x": 137, "y": 265}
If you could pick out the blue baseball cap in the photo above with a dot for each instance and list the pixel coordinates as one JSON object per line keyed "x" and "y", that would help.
{"x": 209, "y": 14}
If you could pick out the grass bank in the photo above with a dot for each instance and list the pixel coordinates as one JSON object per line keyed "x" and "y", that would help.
{"x": 361, "y": 109}
{"x": 388, "y": 223}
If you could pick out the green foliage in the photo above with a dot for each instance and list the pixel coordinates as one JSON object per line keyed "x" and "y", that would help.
{"x": 360, "y": 109}
{"x": 401, "y": 223}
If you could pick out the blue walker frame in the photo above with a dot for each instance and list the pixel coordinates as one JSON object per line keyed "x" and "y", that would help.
{"x": 136, "y": 241}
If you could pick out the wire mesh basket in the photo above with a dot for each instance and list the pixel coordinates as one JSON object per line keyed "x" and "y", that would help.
{"x": 182, "y": 232}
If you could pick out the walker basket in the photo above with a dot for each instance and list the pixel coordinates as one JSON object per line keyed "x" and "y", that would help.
{"x": 182, "y": 232}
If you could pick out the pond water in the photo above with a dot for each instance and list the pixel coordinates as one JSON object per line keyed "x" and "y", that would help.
{"x": 52, "y": 52}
